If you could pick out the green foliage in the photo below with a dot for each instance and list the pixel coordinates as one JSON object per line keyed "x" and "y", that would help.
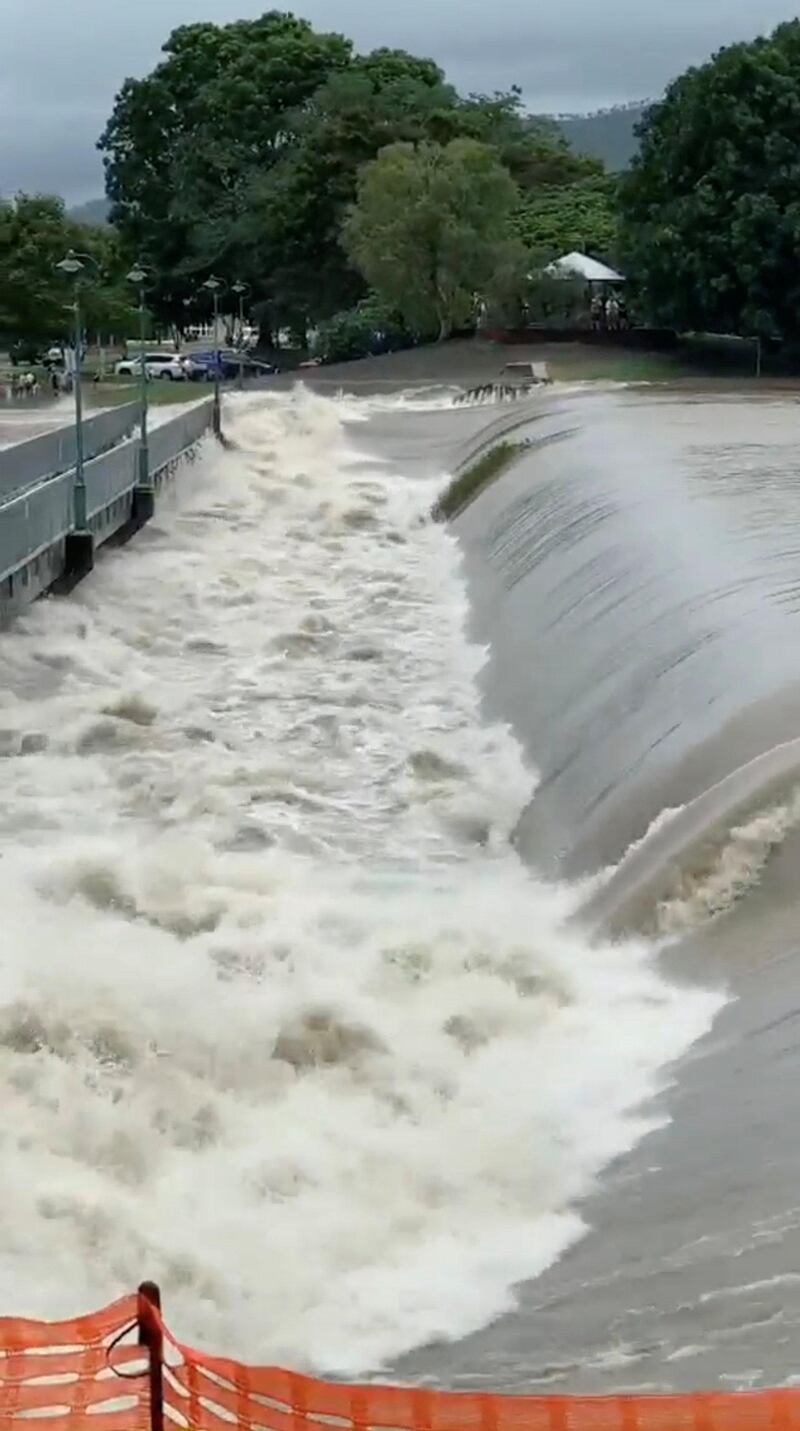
{"x": 290, "y": 221}
{"x": 182, "y": 144}
{"x": 357, "y": 332}
{"x": 428, "y": 228}
{"x": 35, "y": 234}
{"x": 712, "y": 206}
{"x": 533, "y": 150}
{"x": 559, "y": 301}
{"x": 505, "y": 295}
{"x": 581, "y": 216}
{"x": 241, "y": 152}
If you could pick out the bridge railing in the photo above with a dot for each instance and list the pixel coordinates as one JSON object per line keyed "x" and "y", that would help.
{"x": 110, "y": 476}
{"x": 36, "y": 519}
{"x": 53, "y": 452}
{"x": 172, "y": 438}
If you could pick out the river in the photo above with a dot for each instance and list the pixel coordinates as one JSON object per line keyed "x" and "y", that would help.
{"x": 299, "y": 1011}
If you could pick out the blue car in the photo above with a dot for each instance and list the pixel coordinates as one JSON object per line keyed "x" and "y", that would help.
{"x": 224, "y": 364}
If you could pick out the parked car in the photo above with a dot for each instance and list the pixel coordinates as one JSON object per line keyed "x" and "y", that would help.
{"x": 225, "y": 364}
{"x": 169, "y": 366}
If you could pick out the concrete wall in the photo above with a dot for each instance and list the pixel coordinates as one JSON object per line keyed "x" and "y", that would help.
{"x": 36, "y": 522}
{"x": 53, "y": 452}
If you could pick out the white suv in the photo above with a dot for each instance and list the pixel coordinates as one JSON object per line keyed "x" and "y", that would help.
{"x": 156, "y": 365}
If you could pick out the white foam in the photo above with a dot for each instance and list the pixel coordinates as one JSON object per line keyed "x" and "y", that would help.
{"x": 284, "y": 1023}
{"x": 436, "y": 398}
{"x": 728, "y": 869}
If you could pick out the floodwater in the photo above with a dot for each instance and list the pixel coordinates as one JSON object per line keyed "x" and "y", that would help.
{"x": 30, "y": 417}
{"x": 309, "y": 1007}
{"x": 637, "y": 576}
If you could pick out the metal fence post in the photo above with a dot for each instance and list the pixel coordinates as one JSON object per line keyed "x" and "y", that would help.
{"x": 152, "y": 1337}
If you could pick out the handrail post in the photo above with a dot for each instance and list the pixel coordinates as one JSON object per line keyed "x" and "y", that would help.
{"x": 79, "y": 490}
{"x": 143, "y": 500}
{"x": 152, "y": 1337}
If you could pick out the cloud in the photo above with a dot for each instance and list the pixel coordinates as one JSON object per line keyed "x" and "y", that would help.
{"x": 58, "y": 80}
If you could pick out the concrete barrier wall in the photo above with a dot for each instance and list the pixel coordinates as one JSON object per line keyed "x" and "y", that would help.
{"x": 171, "y": 439}
{"x": 54, "y": 452}
{"x": 110, "y": 476}
{"x": 36, "y": 523}
{"x": 33, "y": 528}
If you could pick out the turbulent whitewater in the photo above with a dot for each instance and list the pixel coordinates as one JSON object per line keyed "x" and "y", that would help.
{"x": 285, "y": 1022}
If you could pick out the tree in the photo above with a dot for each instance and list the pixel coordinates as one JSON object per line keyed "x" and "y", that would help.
{"x": 183, "y": 144}
{"x": 35, "y": 234}
{"x": 428, "y": 227}
{"x": 240, "y": 154}
{"x": 555, "y": 220}
{"x": 367, "y": 328}
{"x": 506, "y": 291}
{"x": 711, "y": 210}
{"x": 289, "y": 226}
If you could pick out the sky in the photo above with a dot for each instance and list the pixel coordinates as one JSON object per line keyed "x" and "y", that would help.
{"x": 62, "y": 61}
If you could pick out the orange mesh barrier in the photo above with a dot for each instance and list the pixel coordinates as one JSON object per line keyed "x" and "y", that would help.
{"x": 74, "y": 1376}
{"x": 69, "y": 1374}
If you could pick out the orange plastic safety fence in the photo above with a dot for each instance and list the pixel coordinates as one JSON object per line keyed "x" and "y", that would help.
{"x": 66, "y": 1376}
{"x": 62, "y": 1375}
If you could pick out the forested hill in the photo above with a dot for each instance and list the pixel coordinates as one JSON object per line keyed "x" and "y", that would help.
{"x": 608, "y": 134}
{"x": 95, "y": 211}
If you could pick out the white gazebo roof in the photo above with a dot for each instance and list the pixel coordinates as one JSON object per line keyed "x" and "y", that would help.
{"x": 579, "y": 265}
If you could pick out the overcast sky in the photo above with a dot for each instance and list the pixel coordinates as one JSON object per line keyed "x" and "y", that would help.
{"x": 61, "y": 61}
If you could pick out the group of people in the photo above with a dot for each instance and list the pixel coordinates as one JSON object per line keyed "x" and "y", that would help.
{"x": 27, "y": 385}
{"x": 24, "y": 385}
{"x": 609, "y": 312}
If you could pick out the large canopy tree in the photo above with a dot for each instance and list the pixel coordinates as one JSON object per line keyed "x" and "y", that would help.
{"x": 711, "y": 210}
{"x": 287, "y": 230}
{"x": 429, "y": 228}
{"x": 185, "y": 141}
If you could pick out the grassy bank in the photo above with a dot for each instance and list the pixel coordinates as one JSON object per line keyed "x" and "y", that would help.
{"x": 696, "y": 357}
{"x": 158, "y": 393}
{"x": 574, "y": 362}
{"x": 465, "y": 487}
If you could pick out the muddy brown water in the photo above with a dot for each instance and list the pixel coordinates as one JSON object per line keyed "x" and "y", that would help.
{"x": 636, "y": 578}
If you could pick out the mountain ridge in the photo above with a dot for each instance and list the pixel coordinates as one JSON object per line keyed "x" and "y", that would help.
{"x": 607, "y": 134}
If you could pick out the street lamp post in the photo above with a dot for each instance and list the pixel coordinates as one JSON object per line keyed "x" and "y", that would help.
{"x": 214, "y": 285}
{"x": 241, "y": 289}
{"x": 138, "y": 276}
{"x": 73, "y": 265}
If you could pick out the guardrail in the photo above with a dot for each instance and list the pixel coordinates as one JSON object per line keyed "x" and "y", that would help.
{"x": 53, "y": 452}
{"x": 37, "y": 521}
{"x": 167, "y": 442}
